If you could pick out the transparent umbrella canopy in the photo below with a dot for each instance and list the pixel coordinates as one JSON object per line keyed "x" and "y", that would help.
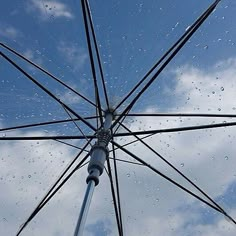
{"x": 117, "y": 118}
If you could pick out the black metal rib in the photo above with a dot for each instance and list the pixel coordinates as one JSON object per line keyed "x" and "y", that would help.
{"x": 178, "y": 171}
{"x": 121, "y": 121}
{"x": 172, "y": 181}
{"x": 97, "y": 52}
{"x": 70, "y": 145}
{"x": 129, "y": 162}
{"x": 76, "y": 125}
{"x": 135, "y": 141}
{"x": 44, "y": 123}
{"x": 53, "y": 190}
{"x": 114, "y": 198}
{"x": 46, "y": 72}
{"x": 157, "y": 63}
{"x": 46, "y": 91}
{"x": 37, "y": 210}
{"x": 92, "y": 61}
{"x": 163, "y": 57}
{"x": 117, "y": 187}
{"x": 180, "y": 115}
{"x": 148, "y": 133}
{"x": 179, "y": 129}
{"x": 21, "y": 138}
{"x": 197, "y": 24}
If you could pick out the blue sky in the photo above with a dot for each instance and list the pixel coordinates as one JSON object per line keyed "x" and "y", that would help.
{"x": 132, "y": 36}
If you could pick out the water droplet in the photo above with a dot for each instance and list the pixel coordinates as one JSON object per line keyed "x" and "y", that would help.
{"x": 187, "y": 28}
{"x": 222, "y": 89}
{"x": 206, "y": 47}
{"x": 226, "y": 158}
{"x": 182, "y": 164}
{"x": 29, "y": 176}
{"x": 140, "y": 7}
{"x": 176, "y": 24}
{"x": 128, "y": 175}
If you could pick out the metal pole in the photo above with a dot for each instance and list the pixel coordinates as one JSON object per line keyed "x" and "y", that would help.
{"x": 84, "y": 209}
{"x": 108, "y": 120}
{"x": 99, "y": 153}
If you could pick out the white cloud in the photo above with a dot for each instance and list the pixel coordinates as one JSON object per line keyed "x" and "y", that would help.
{"x": 214, "y": 88}
{"x": 151, "y": 205}
{"x": 24, "y": 169}
{"x": 9, "y": 32}
{"x": 199, "y": 154}
{"x": 74, "y": 55}
{"x": 48, "y": 9}
{"x": 222, "y": 227}
{"x": 33, "y": 56}
{"x": 70, "y": 98}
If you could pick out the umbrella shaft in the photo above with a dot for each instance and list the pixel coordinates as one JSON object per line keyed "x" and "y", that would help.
{"x": 84, "y": 208}
{"x": 99, "y": 153}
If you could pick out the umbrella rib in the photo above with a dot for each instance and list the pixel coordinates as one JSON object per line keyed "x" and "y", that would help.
{"x": 109, "y": 173}
{"x": 159, "y": 61}
{"x": 179, "y": 129}
{"x": 117, "y": 187}
{"x": 97, "y": 52}
{"x": 176, "y": 169}
{"x": 181, "y": 115}
{"x": 38, "y": 209}
{"x": 135, "y": 141}
{"x": 76, "y": 125}
{"x": 70, "y": 145}
{"x": 191, "y": 31}
{"x": 129, "y": 162}
{"x": 157, "y": 64}
{"x": 92, "y": 65}
{"x": 32, "y": 138}
{"x": 44, "y": 123}
{"x": 46, "y": 72}
{"x": 51, "y": 193}
{"x": 120, "y": 122}
{"x": 46, "y": 90}
{"x": 172, "y": 181}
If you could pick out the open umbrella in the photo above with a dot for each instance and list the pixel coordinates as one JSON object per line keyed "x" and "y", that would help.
{"x": 121, "y": 113}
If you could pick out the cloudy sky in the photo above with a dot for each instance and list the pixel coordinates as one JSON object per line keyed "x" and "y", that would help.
{"x": 132, "y": 36}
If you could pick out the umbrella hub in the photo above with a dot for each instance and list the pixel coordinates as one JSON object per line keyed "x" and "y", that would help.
{"x": 99, "y": 152}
